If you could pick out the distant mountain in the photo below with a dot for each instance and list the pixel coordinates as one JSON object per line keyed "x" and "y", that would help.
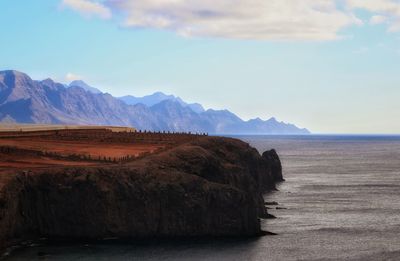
{"x": 157, "y": 97}
{"x": 85, "y": 86}
{"x": 24, "y": 100}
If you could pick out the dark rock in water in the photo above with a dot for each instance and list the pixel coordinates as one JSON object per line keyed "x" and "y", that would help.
{"x": 269, "y": 216}
{"x": 269, "y": 233}
{"x": 210, "y": 187}
{"x": 275, "y": 163}
{"x": 280, "y": 208}
{"x": 271, "y": 203}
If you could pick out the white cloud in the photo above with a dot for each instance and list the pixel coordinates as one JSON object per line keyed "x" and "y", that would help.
{"x": 69, "y": 77}
{"x": 244, "y": 19}
{"x": 88, "y": 8}
{"x": 377, "y": 19}
{"x": 313, "y": 20}
{"x": 389, "y": 8}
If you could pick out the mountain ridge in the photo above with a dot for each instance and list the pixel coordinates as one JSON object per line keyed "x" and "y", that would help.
{"x": 23, "y": 100}
{"x": 85, "y": 86}
{"x": 157, "y": 97}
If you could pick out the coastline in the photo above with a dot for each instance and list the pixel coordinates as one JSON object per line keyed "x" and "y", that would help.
{"x": 211, "y": 186}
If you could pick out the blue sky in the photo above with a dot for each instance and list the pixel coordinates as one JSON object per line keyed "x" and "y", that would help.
{"x": 332, "y": 71}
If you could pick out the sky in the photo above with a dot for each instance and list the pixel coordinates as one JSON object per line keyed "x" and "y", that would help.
{"x": 332, "y": 66}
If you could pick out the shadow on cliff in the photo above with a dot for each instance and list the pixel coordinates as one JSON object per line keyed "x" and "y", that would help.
{"x": 210, "y": 187}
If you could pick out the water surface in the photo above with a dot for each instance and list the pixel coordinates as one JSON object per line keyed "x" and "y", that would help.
{"x": 341, "y": 200}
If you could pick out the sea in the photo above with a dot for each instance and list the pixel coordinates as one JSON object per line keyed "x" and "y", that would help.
{"x": 340, "y": 201}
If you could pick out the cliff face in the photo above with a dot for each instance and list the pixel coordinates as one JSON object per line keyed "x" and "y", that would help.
{"x": 209, "y": 187}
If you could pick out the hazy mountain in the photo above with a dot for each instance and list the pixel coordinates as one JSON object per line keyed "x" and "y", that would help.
{"x": 157, "y": 97}
{"x": 184, "y": 118}
{"x": 222, "y": 121}
{"x": 27, "y": 101}
{"x": 85, "y": 86}
{"x": 24, "y": 100}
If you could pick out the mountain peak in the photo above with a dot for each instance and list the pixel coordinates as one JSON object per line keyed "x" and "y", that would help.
{"x": 78, "y": 82}
{"x": 161, "y": 94}
{"x": 85, "y": 86}
{"x": 167, "y": 103}
{"x": 256, "y": 120}
{"x": 48, "y": 81}
{"x": 12, "y": 78}
{"x": 157, "y": 97}
{"x": 15, "y": 74}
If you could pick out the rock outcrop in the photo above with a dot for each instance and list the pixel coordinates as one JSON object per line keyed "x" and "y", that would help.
{"x": 209, "y": 187}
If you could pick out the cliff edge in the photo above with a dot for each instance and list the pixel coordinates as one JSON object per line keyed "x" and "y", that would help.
{"x": 208, "y": 187}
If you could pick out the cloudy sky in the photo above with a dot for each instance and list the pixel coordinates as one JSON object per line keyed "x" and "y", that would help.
{"x": 332, "y": 66}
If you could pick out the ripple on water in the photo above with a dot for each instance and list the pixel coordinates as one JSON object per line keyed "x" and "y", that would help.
{"x": 341, "y": 200}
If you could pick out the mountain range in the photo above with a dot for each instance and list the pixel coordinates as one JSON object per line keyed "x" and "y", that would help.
{"x": 23, "y": 100}
{"x": 153, "y": 99}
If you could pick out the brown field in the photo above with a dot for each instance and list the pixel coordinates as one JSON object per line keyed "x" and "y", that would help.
{"x": 95, "y": 149}
{"x": 25, "y": 162}
{"x": 42, "y": 147}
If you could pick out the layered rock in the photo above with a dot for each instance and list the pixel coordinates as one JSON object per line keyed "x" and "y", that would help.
{"x": 209, "y": 187}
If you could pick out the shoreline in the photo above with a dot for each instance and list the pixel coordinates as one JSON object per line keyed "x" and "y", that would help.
{"x": 207, "y": 187}
{"x": 44, "y": 242}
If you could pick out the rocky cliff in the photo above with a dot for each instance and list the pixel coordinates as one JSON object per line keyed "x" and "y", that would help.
{"x": 209, "y": 187}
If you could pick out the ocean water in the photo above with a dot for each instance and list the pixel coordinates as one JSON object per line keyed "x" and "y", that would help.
{"x": 340, "y": 201}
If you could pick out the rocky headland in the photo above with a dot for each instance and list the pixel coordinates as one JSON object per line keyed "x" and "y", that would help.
{"x": 210, "y": 186}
